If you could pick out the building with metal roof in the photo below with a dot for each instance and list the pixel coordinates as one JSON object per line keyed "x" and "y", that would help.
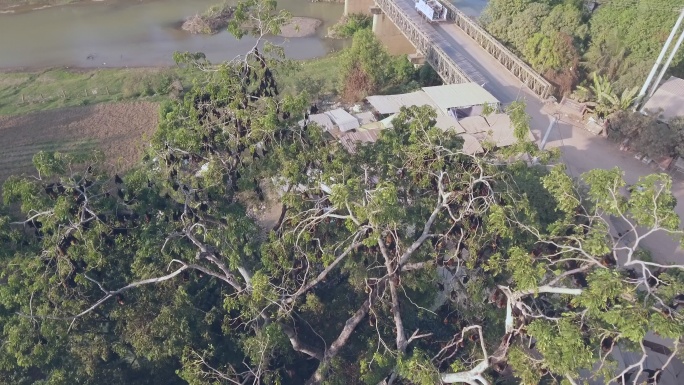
{"x": 668, "y": 99}
{"x": 343, "y": 120}
{"x": 391, "y": 104}
{"x": 460, "y": 100}
{"x": 322, "y": 120}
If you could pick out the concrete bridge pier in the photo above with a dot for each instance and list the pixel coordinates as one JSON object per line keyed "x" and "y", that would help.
{"x": 384, "y": 29}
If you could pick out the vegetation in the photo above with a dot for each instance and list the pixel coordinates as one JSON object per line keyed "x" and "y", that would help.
{"x": 606, "y": 101}
{"x": 25, "y": 92}
{"x": 350, "y": 24}
{"x": 566, "y": 42}
{"x": 367, "y": 68}
{"x": 407, "y": 262}
{"x": 647, "y": 135}
{"x": 212, "y": 21}
{"x": 316, "y": 77}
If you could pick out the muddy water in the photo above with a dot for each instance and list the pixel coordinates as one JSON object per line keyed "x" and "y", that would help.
{"x": 119, "y": 33}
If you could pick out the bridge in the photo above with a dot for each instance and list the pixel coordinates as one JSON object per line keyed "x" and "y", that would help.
{"x": 399, "y": 18}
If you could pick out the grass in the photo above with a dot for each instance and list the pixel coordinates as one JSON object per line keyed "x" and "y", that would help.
{"x": 318, "y": 77}
{"x": 25, "y": 92}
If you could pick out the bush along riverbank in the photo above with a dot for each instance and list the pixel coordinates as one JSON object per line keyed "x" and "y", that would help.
{"x": 212, "y": 21}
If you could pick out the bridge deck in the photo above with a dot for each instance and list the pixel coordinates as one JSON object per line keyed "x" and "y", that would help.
{"x": 455, "y": 55}
{"x": 408, "y": 8}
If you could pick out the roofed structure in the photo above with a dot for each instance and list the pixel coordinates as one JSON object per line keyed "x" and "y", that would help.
{"x": 342, "y": 119}
{"x": 323, "y": 121}
{"x": 448, "y": 123}
{"x": 669, "y": 98}
{"x": 365, "y": 117}
{"x": 471, "y": 145}
{"x": 391, "y": 104}
{"x": 460, "y": 96}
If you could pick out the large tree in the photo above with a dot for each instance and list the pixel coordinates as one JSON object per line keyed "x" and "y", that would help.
{"x": 401, "y": 261}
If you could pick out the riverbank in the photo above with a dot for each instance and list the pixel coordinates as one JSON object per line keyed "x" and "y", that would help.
{"x": 24, "y": 91}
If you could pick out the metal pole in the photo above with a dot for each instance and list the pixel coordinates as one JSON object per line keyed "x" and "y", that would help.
{"x": 548, "y": 131}
{"x": 657, "y": 63}
{"x": 667, "y": 63}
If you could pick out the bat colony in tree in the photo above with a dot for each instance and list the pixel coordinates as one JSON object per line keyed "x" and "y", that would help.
{"x": 408, "y": 262}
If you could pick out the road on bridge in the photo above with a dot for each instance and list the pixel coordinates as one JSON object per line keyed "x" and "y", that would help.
{"x": 581, "y": 150}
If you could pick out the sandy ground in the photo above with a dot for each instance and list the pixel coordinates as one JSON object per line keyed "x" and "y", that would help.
{"x": 119, "y": 130}
{"x": 300, "y": 27}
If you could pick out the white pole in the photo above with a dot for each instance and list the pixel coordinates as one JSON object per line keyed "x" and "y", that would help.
{"x": 657, "y": 63}
{"x": 548, "y": 131}
{"x": 667, "y": 63}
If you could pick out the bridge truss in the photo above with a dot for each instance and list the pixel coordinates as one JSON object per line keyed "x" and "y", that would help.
{"x": 438, "y": 59}
{"x": 508, "y": 59}
{"x": 446, "y": 66}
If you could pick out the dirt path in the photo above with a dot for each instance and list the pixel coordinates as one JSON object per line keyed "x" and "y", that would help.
{"x": 117, "y": 129}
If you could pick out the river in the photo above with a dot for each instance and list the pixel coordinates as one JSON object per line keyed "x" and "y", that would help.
{"x": 144, "y": 33}
{"x": 120, "y": 33}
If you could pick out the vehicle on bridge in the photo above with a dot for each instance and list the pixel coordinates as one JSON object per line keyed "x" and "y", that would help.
{"x": 431, "y": 10}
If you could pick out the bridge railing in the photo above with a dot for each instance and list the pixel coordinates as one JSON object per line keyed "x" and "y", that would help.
{"x": 438, "y": 59}
{"x": 508, "y": 59}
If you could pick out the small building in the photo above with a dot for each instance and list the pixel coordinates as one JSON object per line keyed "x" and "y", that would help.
{"x": 461, "y": 100}
{"x": 391, "y": 104}
{"x": 668, "y": 100}
{"x": 343, "y": 120}
{"x": 323, "y": 121}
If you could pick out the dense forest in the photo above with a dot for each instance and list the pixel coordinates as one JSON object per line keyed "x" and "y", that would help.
{"x": 567, "y": 40}
{"x": 404, "y": 261}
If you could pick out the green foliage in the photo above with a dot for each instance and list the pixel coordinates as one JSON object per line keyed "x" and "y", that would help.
{"x": 604, "y": 288}
{"x": 367, "y": 68}
{"x": 245, "y": 244}
{"x": 646, "y": 134}
{"x": 418, "y": 369}
{"x": 257, "y": 18}
{"x": 62, "y": 87}
{"x": 524, "y": 367}
{"x": 523, "y": 270}
{"x": 607, "y": 101}
{"x": 619, "y": 39}
{"x": 350, "y": 24}
{"x": 562, "y": 345}
{"x": 552, "y": 51}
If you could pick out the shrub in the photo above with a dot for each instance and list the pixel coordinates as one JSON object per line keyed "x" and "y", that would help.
{"x": 350, "y": 24}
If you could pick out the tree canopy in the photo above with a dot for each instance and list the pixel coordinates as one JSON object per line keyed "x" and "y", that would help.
{"x": 403, "y": 261}
{"x": 619, "y": 39}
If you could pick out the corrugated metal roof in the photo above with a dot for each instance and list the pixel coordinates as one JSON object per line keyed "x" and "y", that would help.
{"x": 365, "y": 117}
{"x": 669, "y": 97}
{"x": 471, "y": 145}
{"x": 474, "y": 124}
{"x": 344, "y": 120}
{"x": 448, "y": 123}
{"x": 497, "y": 128}
{"x": 459, "y": 95}
{"x": 351, "y": 139}
{"x": 387, "y": 122}
{"x": 322, "y": 120}
{"x": 391, "y": 104}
